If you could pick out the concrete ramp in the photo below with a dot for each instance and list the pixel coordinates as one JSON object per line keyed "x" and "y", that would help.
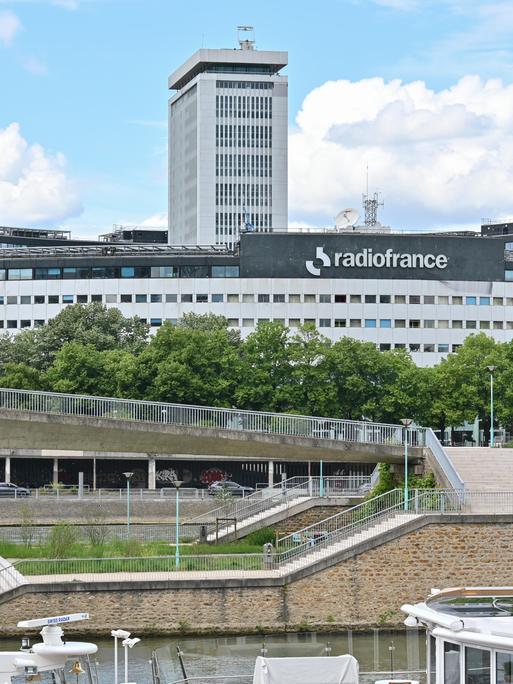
{"x": 482, "y": 468}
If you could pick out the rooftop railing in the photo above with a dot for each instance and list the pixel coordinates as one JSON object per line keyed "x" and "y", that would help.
{"x": 322, "y": 428}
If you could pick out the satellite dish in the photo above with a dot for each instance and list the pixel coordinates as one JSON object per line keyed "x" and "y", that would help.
{"x": 346, "y": 219}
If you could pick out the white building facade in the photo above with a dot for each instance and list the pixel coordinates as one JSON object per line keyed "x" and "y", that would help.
{"x": 227, "y": 146}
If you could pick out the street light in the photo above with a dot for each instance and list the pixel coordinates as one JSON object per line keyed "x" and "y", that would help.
{"x": 128, "y": 477}
{"x": 406, "y": 422}
{"x": 177, "y": 484}
{"x": 117, "y": 634}
{"x": 128, "y": 643}
{"x": 491, "y": 369}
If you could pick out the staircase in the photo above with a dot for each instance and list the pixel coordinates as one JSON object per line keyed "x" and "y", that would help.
{"x": 10, "y": 578}
{"x": 482, "y": 468}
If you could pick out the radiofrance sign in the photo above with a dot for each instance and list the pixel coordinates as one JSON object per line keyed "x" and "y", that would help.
{"x": 367, "y": 258}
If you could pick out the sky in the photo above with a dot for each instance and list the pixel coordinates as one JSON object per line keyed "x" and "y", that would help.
{"x": 418, "y": 91}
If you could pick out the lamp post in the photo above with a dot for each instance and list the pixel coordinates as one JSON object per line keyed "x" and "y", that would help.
{"x": 128, "y": 477}
{"x": 117, "y": 634}
{"x": 492, "y": 436}
{"x": 177, "y": 484}
{"x": 128, "y": 643}
{"x": 406, "y": 422}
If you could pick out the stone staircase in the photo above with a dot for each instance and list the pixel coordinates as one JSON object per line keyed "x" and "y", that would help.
{"x": 482, "y": 468}
{"x": 364, "y": 533}
{"x": 10, "y": 578}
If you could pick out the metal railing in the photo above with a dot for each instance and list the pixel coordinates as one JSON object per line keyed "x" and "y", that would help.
{"x": 450, "y": 472}
{"x": 208, "y": 417}
{"x": 71, "y": 492}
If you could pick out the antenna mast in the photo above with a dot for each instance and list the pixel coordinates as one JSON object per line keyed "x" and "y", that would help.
{"x": 246, "y": 37}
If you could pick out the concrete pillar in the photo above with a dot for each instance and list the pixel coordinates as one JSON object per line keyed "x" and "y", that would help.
{"x": 94, "y": 474}
{"x": 7, "y": 469}
{"x": 152, "y": 474}
{"x": 270, "y": 473}
{"x": 55, "y": 471}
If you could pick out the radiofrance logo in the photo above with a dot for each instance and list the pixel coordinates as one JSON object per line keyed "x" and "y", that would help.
{"x": 367, "y": 258}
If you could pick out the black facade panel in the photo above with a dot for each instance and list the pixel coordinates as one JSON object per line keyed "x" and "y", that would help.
{"x": 286, "y": 256}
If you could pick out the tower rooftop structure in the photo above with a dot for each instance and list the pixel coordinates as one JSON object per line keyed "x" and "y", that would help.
{"x": 238, "y": 61}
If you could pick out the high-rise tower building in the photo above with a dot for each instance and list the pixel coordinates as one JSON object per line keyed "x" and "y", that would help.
{"x": 227, "y": 145}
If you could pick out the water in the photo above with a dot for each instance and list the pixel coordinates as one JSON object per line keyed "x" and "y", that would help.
{"x": 236, "y": 655}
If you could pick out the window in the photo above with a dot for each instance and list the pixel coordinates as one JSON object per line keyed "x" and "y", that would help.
{"x": 385, "y": 347}
{"x": 232, "y": 299}
{"x": 164, "y": 271}
{"x": 370, "y": 322}
{"x": 294, "y": 322}
{"x": 25, "y": 324}
{"x": 216, "y": 298}
{"x": 498, "y": 325}
{"x": 443, "y": 323}
{"x": 443, "y": 299}
{"x": 47, "y": 273}
{"x": 126, "y": 271}
{"x": 194, "y": 271}
{"x": 355, "y": 323}
{"x": 104, "y": 272}
{"x": 293, "y": 298}
{"x": 508, "y": 245}
{"x": 457, "y": 300}
{"x": 498, "y": 301}
{"x": 429, "y": 323}
{"x": 355, "y": 299}
{"x": 37, "y": 323}
{"x": 457, "y": 324}
{"x": 399, "y": 323}
{"x": 309, "y": 299}
{"x": 248, "y": 322}
{"x": 279, "y": 299}
{"x": 225, "y": 272}
{"x": 451, "y": 663}
{"x": 264, "y": 298}
{"x": 20, "y": 274}
{"x": 484, "y": 325}
{"x": 455, "y": 347}
{"x": 12, "y": 300}
{"x": 400, "y": 299}
{"x": 429, "y": 347}
{"x": 385, "y": 323}
{"x": 370, "y": 299}
{"x": 503, "y": 667}
{"x": 69, "y": 273}
{"x": 508, "y": 275}
{"x": 400, "y": 345}
{"x": 155, "y": 322}
{"x": 282, "y": 321}
{"x": 308, "y": 321}
{"x": 173, "y": 321}
{"x": 509, "y": 301}
{"x": 324, "y": 322}
{"x": 248, "y": 298}
{"x": 443, "y": 348}
{"x": 12, "y": 324}
{"x": 509, "y": 325}
{"x": 340, "y": 299}
{"x": 484, "y": 301}
{"x": 471, "y": 325}
{"x": 111, "y": 299}
{"x": 186, "y": 298}
{"x": 340, "y": 322}
{"x": 324, "y": 299}
{"x": 263, "y": 320}
{"x": 82, "y": 299}
{"x": 414, "y": 323}
{"x": 414, "y": 347}
{"x": 157, "y": 298}
{"x": 52, "y": 299}
{"x": 39, "y": 299}
{"x": 385, "y": 299}
{"x": 414, "y": 299}
{"x": 477, "y": 665}
{"x": 142, "y": 298}
{"x": 125, "y": 299}
{"x": 25, "y": 299}
{"x": 200, "y": 298}
{"x": 170, "y": 298}
{"x": 233, "y": 322}
{"x": 471, "y": 300}
{"x": 67, "y": 299}
{"x": 94, "y": 298}
{"x": 429, "y": 299}
{"x": 2, "y": 275}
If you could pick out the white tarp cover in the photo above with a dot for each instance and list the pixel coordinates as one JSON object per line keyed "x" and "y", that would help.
{"x": 324, "y": 670}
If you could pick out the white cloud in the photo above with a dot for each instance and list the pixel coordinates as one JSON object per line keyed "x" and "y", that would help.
{"x": 10, "y": 25}
{"x": 34, "y": 187}
{"x": 438, "y": 157}
{"x": 155, "y": 221}
{"x": 34, "y": 66}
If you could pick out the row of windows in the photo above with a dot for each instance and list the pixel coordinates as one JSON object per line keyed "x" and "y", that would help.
{"x": 412, "y": 323}
{"x": 228, "y": 135}
{"x": 244, "y": 106}
{"x": 243, "y": 194}
{"x": 238, "y": 165}
{"x": 88, "y": 272}
{"x": 229, "y": 222}
{"x": 253, "y": 85}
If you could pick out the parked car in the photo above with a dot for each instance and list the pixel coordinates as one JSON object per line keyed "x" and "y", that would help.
{"x": 228, "y": 486}
{"x": 8, "y": 489}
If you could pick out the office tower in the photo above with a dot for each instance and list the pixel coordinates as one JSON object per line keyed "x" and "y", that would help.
{"x": 227, "y": 145}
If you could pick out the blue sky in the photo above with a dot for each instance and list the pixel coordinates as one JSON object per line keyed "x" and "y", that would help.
{"x": 86, "y": 81}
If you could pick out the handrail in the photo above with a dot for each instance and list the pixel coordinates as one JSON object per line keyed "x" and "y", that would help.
{"x": 450, "y": 472}
{"x": 323, "y": 428}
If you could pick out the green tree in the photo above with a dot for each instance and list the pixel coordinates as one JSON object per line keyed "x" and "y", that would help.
{"x": 21, "y": 376}
{"x": 77, "y": 369}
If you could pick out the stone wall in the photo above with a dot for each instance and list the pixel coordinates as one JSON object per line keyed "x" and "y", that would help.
{"x": 362, "y": 590}
{"x": 309, "y": 517}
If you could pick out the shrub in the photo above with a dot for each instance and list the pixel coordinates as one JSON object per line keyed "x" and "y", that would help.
{"x": 60, "y": 541}
{"x": 261, "y": 537}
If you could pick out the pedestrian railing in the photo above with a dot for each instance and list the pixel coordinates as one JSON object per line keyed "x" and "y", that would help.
{"x": 208, "y": 417}
{"x": 450, "y": 472}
